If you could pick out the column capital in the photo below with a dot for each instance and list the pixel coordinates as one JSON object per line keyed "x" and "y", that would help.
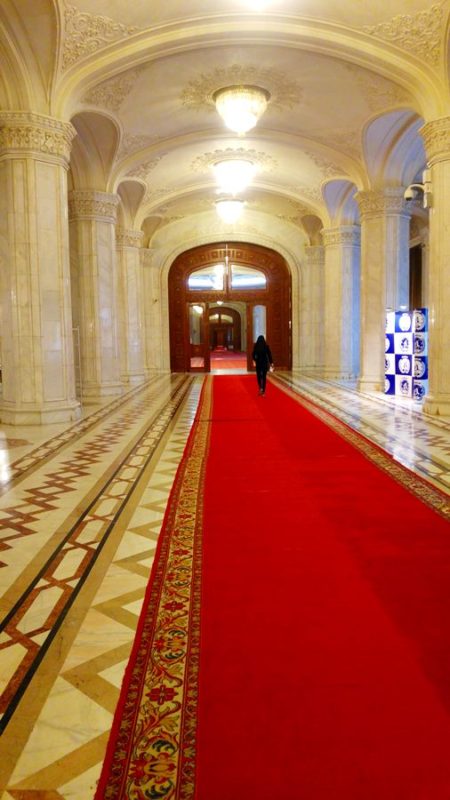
{"x": 342, "y": 235}
{"x": 24, "y": 133}
{"x": 436, "y": 138}
{"x": 128, "y": 238}
{"x": 379, "y": 203}
{"x": 90, "y": 204}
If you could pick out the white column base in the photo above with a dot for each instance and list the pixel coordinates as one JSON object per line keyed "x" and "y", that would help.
{"x": 370, "y": 385}
{"x": 437, "y": 406}
{"x": 97, "y": 392}
{"x": 69, "y": 412}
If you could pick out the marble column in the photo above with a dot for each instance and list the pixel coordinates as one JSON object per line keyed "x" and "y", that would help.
{"x": 37, "y": 345}
{"x": 384, "y": 275}
{"x": 152, "y": 313}
{"x": 131, "y": 290}
{"x": 436, "y": 136}
{"x": 92, "y": 217}
{"x": 311, "y": 310}
{"x": 341, "y": 301}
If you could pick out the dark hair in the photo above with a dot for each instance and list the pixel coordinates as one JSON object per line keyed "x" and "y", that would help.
{"x": 260, "y": 343}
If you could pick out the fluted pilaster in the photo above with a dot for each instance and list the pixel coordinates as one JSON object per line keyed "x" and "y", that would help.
{"x": 436, "y": 136}
{"x": 384, "y": 274}
{"x": 341, "y": 301}
{"x": 131, "y": 306}
{"x": 92, "y": 216}
{"x": 37, "y": 346}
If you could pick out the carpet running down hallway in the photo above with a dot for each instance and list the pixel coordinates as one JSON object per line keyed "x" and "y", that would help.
{"x": 295, "y": 640}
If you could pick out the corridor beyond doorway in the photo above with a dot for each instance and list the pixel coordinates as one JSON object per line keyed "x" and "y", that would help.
{"x": 223, "y": 361}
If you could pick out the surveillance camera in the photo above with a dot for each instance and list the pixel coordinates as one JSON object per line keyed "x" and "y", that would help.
{"x": 409, "y": 193}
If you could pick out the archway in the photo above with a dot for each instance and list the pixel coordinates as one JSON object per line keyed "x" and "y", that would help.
{"x": 226, "y": 273}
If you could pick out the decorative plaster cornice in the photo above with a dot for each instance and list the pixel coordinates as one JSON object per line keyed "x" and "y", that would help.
{"x": 208, "y": 159}
{"x": 284, "y": 92}
{"x": 143, "y": 170}
{"x": 345, "y": 235}
{"x": 110, "y": 94}
{"x": 327, "y": 168}
{"x": 436, "y": 137}
{"x": 421, "y": 34}
{"x": 128, "y": 238}
{"x": 24, "y": 132}
{"x": 131, "y": 144}
{"x": 86, "y": 33}
{"x": 379, "y": 203}
{"x": 378, "y": 92}
{"x": 89, "y": 204}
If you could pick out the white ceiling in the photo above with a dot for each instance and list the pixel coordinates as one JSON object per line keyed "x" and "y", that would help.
{"x": 351, "y": 82}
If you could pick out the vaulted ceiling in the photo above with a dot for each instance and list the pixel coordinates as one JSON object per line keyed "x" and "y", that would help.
{"x": 350, "y": 85}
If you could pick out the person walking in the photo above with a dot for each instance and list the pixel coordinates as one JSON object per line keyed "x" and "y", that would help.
{"x": 263, "y": 360}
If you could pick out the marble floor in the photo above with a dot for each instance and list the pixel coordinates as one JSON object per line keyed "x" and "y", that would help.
{"x": 81, "y": 507}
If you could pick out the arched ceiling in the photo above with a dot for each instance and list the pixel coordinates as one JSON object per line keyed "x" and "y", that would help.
{"x": 350, "y": 85}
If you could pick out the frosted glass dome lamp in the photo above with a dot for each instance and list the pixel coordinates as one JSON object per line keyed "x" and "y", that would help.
{"x": 234, "y": 174}
{"x": 229, "y": 209}
{"x": 241, "y": 106}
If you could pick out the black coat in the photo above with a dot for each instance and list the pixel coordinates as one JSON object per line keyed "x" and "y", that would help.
{"x": 262, "y": 357}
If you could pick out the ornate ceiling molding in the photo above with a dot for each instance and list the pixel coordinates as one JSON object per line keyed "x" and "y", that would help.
{"x": 86, "y": 33}
{"x": 205, "y": 161}
{"x": 284, "y": 92}
{"x": 143, "y": 170}
{"x": 132, "y": 144}
{"x": 420, "y": 34}
{"x": 378, "y": 92}
{"x": 110, "y": 94}
{"x": 327, "y": 168}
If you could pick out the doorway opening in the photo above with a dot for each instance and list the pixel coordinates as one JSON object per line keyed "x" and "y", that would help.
{"x": 221, "y": 297}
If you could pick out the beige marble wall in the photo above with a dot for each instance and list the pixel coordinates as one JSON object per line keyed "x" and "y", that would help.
{"x": 154, "y": 324}
{"x": 341, "y": 301}
{"x": 436, "y": 136}
{"x": 311, "y": 303}
{"x": 37, "y": 357}
{"x": 131, "y": 304}
{"x": 93, "y": 256}
{"x": 384, "y": 221}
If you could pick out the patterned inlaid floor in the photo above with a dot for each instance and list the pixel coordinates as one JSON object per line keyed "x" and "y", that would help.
{"x": 81, "y": 508}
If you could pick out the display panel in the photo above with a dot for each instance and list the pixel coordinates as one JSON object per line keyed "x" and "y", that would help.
{"x": 406, "y": 353}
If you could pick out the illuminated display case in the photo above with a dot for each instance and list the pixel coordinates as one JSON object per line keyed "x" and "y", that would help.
{"x": 406, "y": 353}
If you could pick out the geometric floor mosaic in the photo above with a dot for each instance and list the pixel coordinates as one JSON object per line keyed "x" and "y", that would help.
{"x": 81, "y": 508}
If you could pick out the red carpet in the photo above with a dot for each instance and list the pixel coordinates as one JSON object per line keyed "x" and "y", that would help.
{"x": 317, "y": 664}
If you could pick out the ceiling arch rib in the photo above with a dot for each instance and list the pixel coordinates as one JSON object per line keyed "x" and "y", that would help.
{"x": 28, "y": 42}
{"x": 393, "y": 148}
{"x": 341, "y": 204}
{"x": 93, "y": 151}
{"x": 315, "y": 36}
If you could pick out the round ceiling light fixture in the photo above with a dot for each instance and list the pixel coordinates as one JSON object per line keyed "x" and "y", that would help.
{"x": 234, "y": 174}
{"x": 229, "y": 209}
{"x": 241, "y": 106}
